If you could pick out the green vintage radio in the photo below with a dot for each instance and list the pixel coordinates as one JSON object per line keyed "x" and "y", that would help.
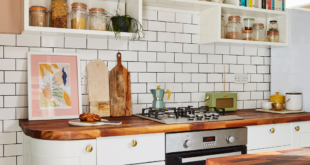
{"x": 222, "y": 100}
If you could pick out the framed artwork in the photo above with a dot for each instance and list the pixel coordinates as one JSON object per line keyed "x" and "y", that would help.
{"x": 54, "y": 89}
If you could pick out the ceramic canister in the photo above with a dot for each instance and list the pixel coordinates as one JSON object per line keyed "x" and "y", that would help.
{"x": 277, "y": 98}
{"x": 295, "y": 102}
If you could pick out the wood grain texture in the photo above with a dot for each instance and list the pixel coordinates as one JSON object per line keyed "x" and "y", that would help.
{"x": 98, "y": 88}
{"x": 298, "y": 156}
{"x": 120, "y": 90}
{"x": 61, "y": 130}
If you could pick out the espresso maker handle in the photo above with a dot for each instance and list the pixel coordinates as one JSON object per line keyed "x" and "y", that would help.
{"x": 169, "y": 93}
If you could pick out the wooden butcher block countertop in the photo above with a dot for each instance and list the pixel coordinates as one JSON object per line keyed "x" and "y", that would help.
{"x": 298, "y": 156}
{"x": 61, "y": 130}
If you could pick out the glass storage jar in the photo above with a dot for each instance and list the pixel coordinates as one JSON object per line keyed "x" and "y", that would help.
{"x": 78, "y": 15}
{"x": 247, "y": 35}
{"x": 222, "y": 27}
{"x": 97, "y": 19}
{"x": 273, "y": 36}
{"x": 273, "y": 25}
{"x": 38, "y": 16}
{"x": 59, "y": 13}
{"x": 248, "y": 23}
{"x": 259, "y": 33}
{"x": 234, "y": 28}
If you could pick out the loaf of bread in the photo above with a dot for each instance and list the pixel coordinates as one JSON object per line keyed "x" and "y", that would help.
{"x": 89, "y": 117}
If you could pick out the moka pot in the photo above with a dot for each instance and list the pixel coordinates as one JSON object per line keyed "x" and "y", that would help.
{"x": 158, "y": 97}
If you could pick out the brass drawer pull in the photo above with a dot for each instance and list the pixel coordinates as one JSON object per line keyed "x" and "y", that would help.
{"x": 297, "y": 128}
{"x": 272, "y": 130}
{"x": 134, "y": 143}
{"x": 89, "y": 148}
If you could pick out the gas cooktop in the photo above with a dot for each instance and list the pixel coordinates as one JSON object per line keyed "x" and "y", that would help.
{"x": 186, "y": 115}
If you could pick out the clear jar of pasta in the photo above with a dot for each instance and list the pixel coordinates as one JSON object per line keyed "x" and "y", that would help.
{"x": 78, "y": 16}
{"x": 59, "y": 13}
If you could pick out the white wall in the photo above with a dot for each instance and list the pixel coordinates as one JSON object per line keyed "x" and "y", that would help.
{"x": 169, "y": 56}
{"x": 290, "y": 65}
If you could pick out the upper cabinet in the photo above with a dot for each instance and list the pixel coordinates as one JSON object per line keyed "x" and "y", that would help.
{"x": 10, "y": 15}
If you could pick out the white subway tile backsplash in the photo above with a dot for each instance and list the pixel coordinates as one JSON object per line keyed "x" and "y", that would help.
{"x": 267, "y": 95}
{"x": 230, "y": 77}
{"x": 250, "y": 50}
{"x": 206, "y": 68}
{"x": 218, "y": 59}
{"x": 190, "y": 48}
{"x": 7, "y": 113}
{"x": 198, "y": 97}
{"x": 165, "y": 77}
{"x": 190, "y": 68}
{"x": 21, "y": 113}
{"x": 182, "y": 97}
{"x": 180, "y": 57}
{"x": 156, "y": 26}
{"x": 15, "y": 52}
{"x": 195, "y": 39}
{"x": 8, "y": 39}
{"x": 207, "y": 48}
{"x": 134, "y": 98}
{"x": 11, "y": 125}
{"x": 147, "y": 77}
{"x": 147, "y": 56}
{"x": 20, "y": 137}
{"x": 136, "y": 67}
{"x": 263, "y": 52}
{"x": 257, "y": 78}
{"x": 267, "y": 61}
{"x": 244, "y": 95}
{"x": 174, "y": 27}
{"x": 267, "y": 78}
{"x": 249, "y": 69}
{"x": 263, "y": 86}
{"x": 8, "y": 160}
{"x": 75, "y": 42}
{"x": 183, "y": 18}
{"x": 182, "y": 77}
{"x": 111, "y": 55}
{"x": 244, "y": 60}
{"x": 236, "y": 68}
{"x": 222, "y": 48}
{"x": 138, "y": 45}
{"x": 257, "y": 60}
{"x": 117, "y": 44}
{"x": 149, "y": 36}
{"x": 97, "y": 43}
{"x": 194, "y": 29}
{"x": 64, "y": 50}
{"x": 215, "y": 78}
{"x": 199, "y": 58}
{"x": 1, "y": 152}
{"x": 196, "y": 19}
{"x": 174, "y": 47}
{"x": 134, "y": 77}
{"x": 8, "y": 138}
{"x": 1, "y": 51}
{"x": 21, "y": 64}
{"x": 174, "y": 87}
{"x": 257, "y": 95}
{"x": 183, "y": 38}
{"x": 236, "y": 50}
{"x": 236, "y": 87}
{"x": 173, "y": 67}
{"x": 263, "y": 69}
{"x": 156, "y": 67}
{"x": 250, "y": 87}
{"x": 219, "y": 68}
{"x": 15, "y": 76}
{"x": 7, "y": 89}
{"x": 166, "y": 16}
{"x": 149, "y": 14}
{"x": 138, "y": 88}
{"x": 165, "y": 37}
{"x": 199, "y": 77}
{"x": 144, "y": 98}
{"x": 136, "y": 108}
{"x": 219, "y": 87}
{"x": 156, "y": 46}
{"x": 239, "y": 104}
{"x": 41, "y": 49}
{"x": 165, "y": 57}
{"x": 190, "y": 87}
{"x": 13, "y": 149}
{"x": 7, "y": 64}
{"x": 144, "y": 24}
{"x": 206, "y": 87}
{"x": 87, "y": 54}
{"x": 15, "y": 101}
{"x": 249, "y": 105}
{"x": 1, "y": 101}
{"x": 53, "y": 41}
{"x": 229, "y": 59}
{"x": 28, "y": 40}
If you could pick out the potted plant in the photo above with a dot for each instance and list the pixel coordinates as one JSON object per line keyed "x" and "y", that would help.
{"x": 125, "y": 23}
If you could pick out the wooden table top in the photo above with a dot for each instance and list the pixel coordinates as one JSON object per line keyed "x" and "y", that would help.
{"x": 61, "y": 130}
{"x": 298, "y": 156}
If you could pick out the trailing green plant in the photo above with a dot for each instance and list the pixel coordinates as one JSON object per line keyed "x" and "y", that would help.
{"x": 128, "y": 23}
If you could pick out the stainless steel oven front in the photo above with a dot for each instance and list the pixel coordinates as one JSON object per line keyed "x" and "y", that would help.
{"x": 194, "y": 148}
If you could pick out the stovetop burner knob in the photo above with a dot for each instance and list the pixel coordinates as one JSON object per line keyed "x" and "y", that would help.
{"x": 199, "y": 116}
{"x": 230, "y": 139}
{"x": 191, "y": 117}
{"x": 188, "y": 143}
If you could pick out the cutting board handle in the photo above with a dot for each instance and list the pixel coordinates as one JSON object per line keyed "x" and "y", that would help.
{"x": 119, "y": 59}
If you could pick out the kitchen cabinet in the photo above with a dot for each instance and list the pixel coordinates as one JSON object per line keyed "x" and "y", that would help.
{"x": 131, "y": 149}
{"x": 10, "y": 16}
{"x": 300, "y": 134}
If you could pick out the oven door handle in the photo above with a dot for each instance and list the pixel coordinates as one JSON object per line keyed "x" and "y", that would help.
{"x": 203, "y": 158}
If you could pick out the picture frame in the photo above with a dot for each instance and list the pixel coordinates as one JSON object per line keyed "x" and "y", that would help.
{"x": 54, "y": 86}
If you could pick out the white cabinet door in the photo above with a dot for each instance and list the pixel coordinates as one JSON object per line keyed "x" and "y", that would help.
{"x": 262, "y": 136}
{"x": 118, "y": 150}
{"x": 300, "y": 134}
{"x": 60, "y": 152}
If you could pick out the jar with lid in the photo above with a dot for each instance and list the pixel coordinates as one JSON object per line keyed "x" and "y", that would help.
{"x": 247, "y": 35}
{"x": 295, "y": 101}
{"x": 248, "y": 23}
{"x": 273, "y": 36}
{"x": 277, "y": 98}
{"x": 222, "y": 27}
{"x": 259, "y": 33}
{"x": 38, "y": 16}
{"x": 234, "y": 28}
{"x": 78, "y": 16}
{"x": 59, "y": 13}
{"x": 273, "y": 25}
{"x": 97, "y": 19}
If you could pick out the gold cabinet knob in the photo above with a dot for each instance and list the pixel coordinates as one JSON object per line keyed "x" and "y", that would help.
{"x": 134, "y": 143}
{"x": 89, "y": 148}
{"x": 297, "y": 128}
{"x": 272, "y": 130}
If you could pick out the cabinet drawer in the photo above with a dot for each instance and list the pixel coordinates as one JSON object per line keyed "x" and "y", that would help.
{"x": 300, "y": 134}
{"x": 120, "y": 150}
{"x": 266, "y": 136}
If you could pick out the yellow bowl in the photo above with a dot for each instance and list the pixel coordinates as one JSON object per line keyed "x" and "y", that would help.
{"x": 278, "y": 106}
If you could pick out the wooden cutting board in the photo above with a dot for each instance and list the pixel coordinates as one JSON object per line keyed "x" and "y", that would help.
{"x": 280, "y": 112}
{"x": 98, "y": 88}
{"x": 120, "y": 90}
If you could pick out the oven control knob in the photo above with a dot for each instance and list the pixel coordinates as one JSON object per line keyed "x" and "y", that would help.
{"x": 230, "y": 139}
{"x": 187, "y": 143}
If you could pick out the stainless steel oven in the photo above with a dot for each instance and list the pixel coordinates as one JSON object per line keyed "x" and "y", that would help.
{"x": 194, "y": 148}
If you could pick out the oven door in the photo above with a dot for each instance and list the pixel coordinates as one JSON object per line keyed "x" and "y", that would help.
{"x": 200, "y": 157}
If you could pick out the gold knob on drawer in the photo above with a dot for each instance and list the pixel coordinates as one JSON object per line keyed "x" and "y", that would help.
{"x": 134, "y": 143}
{"x": 297, "y": 128}
{"x": 89, "y": 148}
{"x": 272, "y": 130}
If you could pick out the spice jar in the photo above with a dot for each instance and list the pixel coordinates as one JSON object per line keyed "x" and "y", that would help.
{"x": 248, "y": 23}
{"x": 259, "y": 33}
{"x": 273, "y": 36}
{"x": 277, "y": 98}
{"x": 295, "y": 102}
{"x": 59, "y": 13}
{"x": 234, "y": 28}
{"x": 97, "y": 19}
{"x": 247, "y": 35}
{"x": 273, "y": 25}
{"x": 78, "y": 15}
{"x": 37, "y": 16}
{"x": 222, "y": 27}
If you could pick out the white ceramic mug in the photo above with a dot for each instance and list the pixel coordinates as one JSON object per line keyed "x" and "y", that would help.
{"x": 267, "y": 105}
{"x": 295, "y": 102}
